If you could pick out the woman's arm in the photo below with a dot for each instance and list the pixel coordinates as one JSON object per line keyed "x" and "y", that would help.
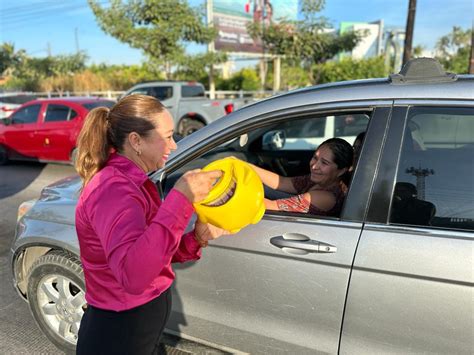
{"x": 274, "y": 181}
{"x": 271, "y": 204}
{"x": 137, "y": 252}
{"x": 323, "y": 200}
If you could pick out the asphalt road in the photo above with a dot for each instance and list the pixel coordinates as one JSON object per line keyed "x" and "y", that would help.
{"x": 19, "y": 182}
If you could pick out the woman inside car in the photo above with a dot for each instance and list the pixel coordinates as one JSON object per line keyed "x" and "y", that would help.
{"x": 128, "y": 237}
{"x": 322, "y": 191}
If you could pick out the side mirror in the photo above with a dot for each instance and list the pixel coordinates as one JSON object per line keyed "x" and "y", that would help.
{"x": 6, "y": 121}
{"x": 274, "y": 140}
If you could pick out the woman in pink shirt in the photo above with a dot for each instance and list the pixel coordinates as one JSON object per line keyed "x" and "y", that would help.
{"x": 128, "y": 237}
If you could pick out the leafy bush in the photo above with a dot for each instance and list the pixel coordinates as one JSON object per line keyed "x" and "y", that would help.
{"x": 349, "y": 69}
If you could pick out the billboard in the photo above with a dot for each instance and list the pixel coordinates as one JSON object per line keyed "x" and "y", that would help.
{"x": 231, "y": 18}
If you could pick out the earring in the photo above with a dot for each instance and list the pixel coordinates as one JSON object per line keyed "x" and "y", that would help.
{"x": 138, "y": 152}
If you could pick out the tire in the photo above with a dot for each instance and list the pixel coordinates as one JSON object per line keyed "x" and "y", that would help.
{"x": 3, "y": 155}
{"x": 56, "y": 293}
{"x": 188, "y": 125}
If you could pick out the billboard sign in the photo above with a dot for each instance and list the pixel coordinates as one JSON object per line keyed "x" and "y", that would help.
{"x": 232, "y": 16}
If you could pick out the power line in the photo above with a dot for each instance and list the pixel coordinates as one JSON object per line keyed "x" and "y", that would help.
{"x": 26, "y": 6}
{"x": 38, "y": 13}
{"x": 42, "y": 13}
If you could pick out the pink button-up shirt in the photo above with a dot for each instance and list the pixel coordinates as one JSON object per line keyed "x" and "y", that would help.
{"x": 128, "y": 238}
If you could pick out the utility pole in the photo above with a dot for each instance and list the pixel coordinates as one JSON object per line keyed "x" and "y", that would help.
{"x": 49, "y": 49}
{"x": 276, "y": 73}
{"x": 420, "y": 175}
{"x": 76, "y": 35}
{"x": 471, "y": 61}
{"x": 211, "y": 49}
{"x": 409, "y": 31}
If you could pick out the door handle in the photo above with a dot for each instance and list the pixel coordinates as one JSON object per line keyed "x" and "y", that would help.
{"x": 300, "y": 244}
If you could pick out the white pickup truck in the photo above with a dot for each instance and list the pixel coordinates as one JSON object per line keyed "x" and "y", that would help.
{"x": 187, "y": 103}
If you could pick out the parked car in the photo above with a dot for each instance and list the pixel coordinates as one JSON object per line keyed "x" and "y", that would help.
{"x": 45, "y": 129}
{"x": 187, "y": 103}
{"x": 391, "y": 274}
{"x": 10, "y": 101}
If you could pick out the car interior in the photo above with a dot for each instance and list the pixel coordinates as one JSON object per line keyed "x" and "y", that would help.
{"x": 285, "y": 147}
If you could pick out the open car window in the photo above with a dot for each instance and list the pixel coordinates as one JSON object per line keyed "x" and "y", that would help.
{"x": 284, "y": 147}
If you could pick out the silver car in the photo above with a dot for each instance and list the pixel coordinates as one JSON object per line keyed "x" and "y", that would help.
{"x": 392, "y": 274}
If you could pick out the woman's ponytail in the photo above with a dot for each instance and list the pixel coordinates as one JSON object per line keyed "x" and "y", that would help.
{"x": 93, "y": 147}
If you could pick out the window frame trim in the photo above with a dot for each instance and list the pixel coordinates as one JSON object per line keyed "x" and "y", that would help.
{"x": 380, "y": 205}
{"x": 351, "y": 214}
{"x": 68, "y": 118}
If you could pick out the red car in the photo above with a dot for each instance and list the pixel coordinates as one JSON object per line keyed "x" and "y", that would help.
{"x": 45, "y": 130}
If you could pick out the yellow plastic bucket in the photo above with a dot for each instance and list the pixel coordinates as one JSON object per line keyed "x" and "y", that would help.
{"x": 236, "y": 200}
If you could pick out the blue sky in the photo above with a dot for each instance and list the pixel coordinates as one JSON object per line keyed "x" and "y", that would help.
{"x": 36, "y": 25}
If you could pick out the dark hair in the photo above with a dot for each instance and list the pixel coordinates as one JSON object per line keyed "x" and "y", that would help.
{"x": 360, "y": 137}
{"x": 341, "y": 150}
{"x": 106, "y": 128}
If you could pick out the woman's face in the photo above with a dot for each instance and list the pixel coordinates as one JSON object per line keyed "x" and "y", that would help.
{"x": 324, "y": 170}
{"x": 159, "y": 144}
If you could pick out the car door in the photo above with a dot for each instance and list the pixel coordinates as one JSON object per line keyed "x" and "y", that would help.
{"x": 250, "y": 292}
{"x": 54, "y": 132}
{"x": 412, "y": 281}
{"x": 20, "y": 134}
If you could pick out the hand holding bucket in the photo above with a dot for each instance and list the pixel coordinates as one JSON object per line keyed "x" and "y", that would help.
{"x": 236, "y": 200}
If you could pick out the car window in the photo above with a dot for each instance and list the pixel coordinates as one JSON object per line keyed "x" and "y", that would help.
{"x": 92, "y": 105}
{"x": 192, "y": 91}
{"x": 266, "y": 147}
{"x": 311, "y": 132}
{"x": 159, "y": 92}
{"x": 435, "y": 184}
{"x": 349, "y": 125}
{"x": 56, "y": 113}
{"x": 28, "y": 114}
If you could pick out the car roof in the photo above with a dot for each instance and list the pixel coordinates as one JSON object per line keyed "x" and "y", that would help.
{"x": 368, "y": 90}
{"x": 71, "y": 99}
{"x": 151, "y": 83}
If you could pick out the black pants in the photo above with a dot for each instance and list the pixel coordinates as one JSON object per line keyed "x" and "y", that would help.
{"x": 135, "y": 331}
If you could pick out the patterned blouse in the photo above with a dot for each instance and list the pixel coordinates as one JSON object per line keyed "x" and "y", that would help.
{"x": 298, "y": 203}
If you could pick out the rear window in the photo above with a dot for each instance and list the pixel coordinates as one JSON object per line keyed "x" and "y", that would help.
{"x": 160, "y": 92}
{"x": 57, "y": 113}
{"x": 192, "y": 91}
{"x": 17, "y": 99}
{"x": 92, "y": 105}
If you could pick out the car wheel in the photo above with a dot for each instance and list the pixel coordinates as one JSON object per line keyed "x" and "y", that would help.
{"x": 188, "y": 126}
{"x": 3, "y": 155}
{"x": 56, "y": 293}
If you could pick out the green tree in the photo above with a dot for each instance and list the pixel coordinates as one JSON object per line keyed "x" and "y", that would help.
{"x": 350, "y": 69}
{"x": 453, "y": 50}
{"x": 123, "y": 77}
{"x": 304, "y": 42}
{"x": 192, "y": 67}
{"x": 28, "y": 73}
{"x": 10, "y": 58}
{"x": 160, "y": 28}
